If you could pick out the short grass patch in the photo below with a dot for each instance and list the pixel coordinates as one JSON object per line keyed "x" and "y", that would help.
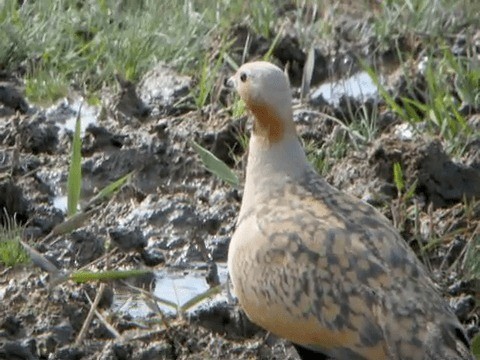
{"x": 11, "y": 250}
{"x": 66, "y": 43}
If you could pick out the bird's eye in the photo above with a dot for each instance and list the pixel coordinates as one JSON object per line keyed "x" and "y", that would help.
{"x": 243, "y": 77}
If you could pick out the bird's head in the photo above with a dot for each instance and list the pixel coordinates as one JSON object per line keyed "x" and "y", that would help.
{"x": 266, "y": 92}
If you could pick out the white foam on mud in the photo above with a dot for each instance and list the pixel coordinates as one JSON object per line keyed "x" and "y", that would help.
{"x": 359, "y": 86}
{"x": 65, "y": 113}
{"x": 60, "y": 202}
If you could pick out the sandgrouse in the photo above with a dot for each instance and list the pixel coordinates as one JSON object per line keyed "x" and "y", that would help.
{"x": 319, "y": 267}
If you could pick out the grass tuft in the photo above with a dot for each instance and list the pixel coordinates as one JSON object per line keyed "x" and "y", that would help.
{"x": 64, "y": 43}
{"x": 446, "y": 79}
{"x": 11, "y": 250}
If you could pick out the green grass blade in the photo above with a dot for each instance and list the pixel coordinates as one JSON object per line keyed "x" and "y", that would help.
{"x": 391, "y": 103}
{"x": 72, "y": 223}
{"x": 86, "y": 276}
{"x": 269, "y": 53}
{"x": 238, "y": 108}
{"x": 215, "y": 165}
{"x": 209, "y": 75}
{"x": 398, "y": 177}
{"x": 412, "y": 107}
{"x": 472, "y": 258}
{"x": 165, "y": 302}
{"x": 109, "y": 190}
{"x": 203, "y": 86}
{"x": 411, "y": 190}
{"x": 200, "y": 297}
{"x": 307, "y": 73}
{"x": 476, "y": 346}
{"x": 74, "y": 183}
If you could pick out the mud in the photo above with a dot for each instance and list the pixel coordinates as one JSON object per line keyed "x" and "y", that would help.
{"x": 176, "y": 219}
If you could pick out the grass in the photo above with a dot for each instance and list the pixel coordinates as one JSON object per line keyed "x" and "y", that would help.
{"x": 66, "y": 44}
{"x": 400, "y": 207}
{"x": 208, "y": 78}
{"x": 441, "y": 104}
{"x": 448, "y": 81}
{"x": 11, "y": 250}
{"x": 77, "y": 216}
{"x": 324, "y": 157}
{"x": 110, "y": 275}
{"x": 215, "y": 165}
{"x": 471, "y": 263}
{"x": 476, "y": 346}
{"x": 63, "y": 44}
{"x": 87, "y": 42}
{"x": 423, "y": 17}
{"x": 74, "y": 181}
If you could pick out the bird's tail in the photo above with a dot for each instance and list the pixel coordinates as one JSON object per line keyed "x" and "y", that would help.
{"x": 448, "y": 341}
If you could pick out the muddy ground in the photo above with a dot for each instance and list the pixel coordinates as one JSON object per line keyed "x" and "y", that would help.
{"x": 175, "y": 215}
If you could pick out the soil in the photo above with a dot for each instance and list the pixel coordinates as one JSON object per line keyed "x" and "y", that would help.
{"x": 173, "y": 214}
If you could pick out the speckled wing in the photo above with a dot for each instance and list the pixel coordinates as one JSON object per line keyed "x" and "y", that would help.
{"x": 330, "y": 273}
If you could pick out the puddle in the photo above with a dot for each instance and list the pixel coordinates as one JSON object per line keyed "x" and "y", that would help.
{"x": 175, "y": 286}
{"x": 359, "y": 86}
{"x": 65, "y": 113}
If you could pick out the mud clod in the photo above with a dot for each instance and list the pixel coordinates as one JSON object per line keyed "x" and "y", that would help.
{"x": 37, "y": 135}
{"x": 440, "y": 180}
{"x": 128, "y": 239}
{"x": 11, "y": 97}
{"x": 13, "y": 202}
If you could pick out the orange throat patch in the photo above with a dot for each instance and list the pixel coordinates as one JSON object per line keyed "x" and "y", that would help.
{"x": 267, "y": 123}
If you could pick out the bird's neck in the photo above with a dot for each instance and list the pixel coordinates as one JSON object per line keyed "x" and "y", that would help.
{"x": 285, "y": 157}
{"x": 270, "y": 165}
{"x": 272, "y": 124}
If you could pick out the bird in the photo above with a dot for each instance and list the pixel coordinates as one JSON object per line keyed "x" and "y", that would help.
{"x": 317, "y": 266}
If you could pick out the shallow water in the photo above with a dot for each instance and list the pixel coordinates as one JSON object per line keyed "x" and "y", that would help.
{"x": 175, "y": 286}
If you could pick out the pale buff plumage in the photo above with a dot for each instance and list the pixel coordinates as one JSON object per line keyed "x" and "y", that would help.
{"x": 321, "y": 268}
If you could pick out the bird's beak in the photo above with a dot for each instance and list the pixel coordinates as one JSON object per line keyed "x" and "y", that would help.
{"x": 230, "y": 83}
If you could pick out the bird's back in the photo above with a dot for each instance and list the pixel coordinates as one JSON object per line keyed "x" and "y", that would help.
{"x": 329, "y": 272}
